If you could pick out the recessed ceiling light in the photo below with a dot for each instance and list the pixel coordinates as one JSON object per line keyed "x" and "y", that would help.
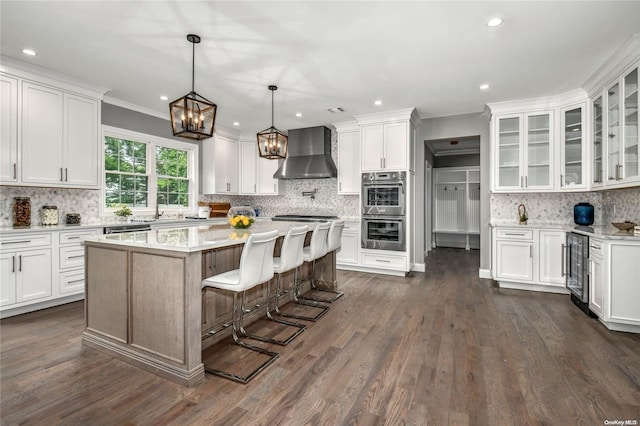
{"x": 494, "y": 22}
{"x": 164, "y": 98}
{"x": 298, "y": 114}
{"x": 484, "y": 86}
{"x": 29, "y": 52}
{"x": 235, "y": 123}
{"x": 378, "y": 102}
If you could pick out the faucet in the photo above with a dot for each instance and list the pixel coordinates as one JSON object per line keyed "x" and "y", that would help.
{"x": 158, "y": 214}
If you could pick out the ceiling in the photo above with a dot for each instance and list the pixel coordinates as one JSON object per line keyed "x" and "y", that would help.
{"x": 429, "y": 55}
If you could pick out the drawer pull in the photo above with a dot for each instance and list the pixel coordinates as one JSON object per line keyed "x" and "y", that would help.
{"x": 515, "y": 234}
{"x": 75, "y": 281}
{"x": 75, "y": 257}
{"x": 383, "y": 261}
{"x": 16, "y": 242}
{"x": 73, "y": 238}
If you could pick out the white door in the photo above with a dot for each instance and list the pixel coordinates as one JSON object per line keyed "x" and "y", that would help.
{"x": 550, "y": 257}
{"x": 514, "y": 260}
{"x": 9, "y": 130}
{"x": 538, "y": 153}
{"x": 208, "y": 156}
{"x": 372, "y": 147}
{"x": 395, "y": 146}
{"x": 80, "y": 146}
{"x": 249, "y": 164}
{"x": 266, "y": 183}
{"x": 233, "y": 166}
{"x": 596, "y": 289}
{"x": 348, "y": 162}
{"x": 631, "y": 131}
{"x": 34, "y": 275}
{"x": 41, "y": 135}
{"x": 221, "y": 145}
{"x": 507, "y": 143}
{"x": 573, "y": 153}
{"x": 7, "y": 279}
{"x": 348, "y": 252}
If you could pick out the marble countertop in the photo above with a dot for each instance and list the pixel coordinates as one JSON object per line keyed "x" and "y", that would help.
{"x": 192, "y": 238}
{"x": 603, "y": 231}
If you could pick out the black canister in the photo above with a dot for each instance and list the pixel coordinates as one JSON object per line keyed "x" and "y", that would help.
{"x": 583, "y": 214}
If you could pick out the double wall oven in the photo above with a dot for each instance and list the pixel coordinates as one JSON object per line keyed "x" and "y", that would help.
{"x": 383, "y": 210}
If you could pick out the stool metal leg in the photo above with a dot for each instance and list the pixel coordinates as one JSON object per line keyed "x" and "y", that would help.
{"x": 296, "y": 294}
{"x": 285, "y": 342}
{"x": 312, "y": 278}
{"x": 234, "y": 328}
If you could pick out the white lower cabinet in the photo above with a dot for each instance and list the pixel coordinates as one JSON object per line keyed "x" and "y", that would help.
{"x": 528, "y": 258}
{"x": 596, "y": 277}
{"x": 621, "y": 299}
{"x": 550, "y": 255}
{"x": 26, "y": 269}
{"x": 350, "y": 244}
{"x": 385, "y": 260}
{"x": 41, "y": 269}
{"x": 515, "y": 260}
{"x": 71, "y": 260}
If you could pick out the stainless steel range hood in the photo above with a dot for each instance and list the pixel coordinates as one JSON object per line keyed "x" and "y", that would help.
{"x": 308, "y": 155}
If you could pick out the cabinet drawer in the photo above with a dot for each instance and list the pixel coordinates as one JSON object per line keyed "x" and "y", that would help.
{"x": 71, "y": 256}
{"x": 384, "y": 261}
{"x": 351, "y": 227}
{"x": 595, "y": 248}
{"x": 70, "y": 237}
{"x": 515, "y": 234}
{"x": 71, "y": 282}
{"x": 13, "y": 242}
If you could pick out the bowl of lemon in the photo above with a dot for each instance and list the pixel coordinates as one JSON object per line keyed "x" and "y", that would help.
{"x": 241, "y": 217}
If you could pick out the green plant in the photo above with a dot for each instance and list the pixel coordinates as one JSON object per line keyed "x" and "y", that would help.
{"x": 123, "y": 211}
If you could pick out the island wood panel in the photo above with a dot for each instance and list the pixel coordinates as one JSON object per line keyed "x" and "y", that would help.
{"x": 158, "y": 305}
{"x": 106, "y": 310}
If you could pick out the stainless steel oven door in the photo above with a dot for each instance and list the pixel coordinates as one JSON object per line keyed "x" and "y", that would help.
{"x": 383, "y": 233}
{"x": 386, "y": 199}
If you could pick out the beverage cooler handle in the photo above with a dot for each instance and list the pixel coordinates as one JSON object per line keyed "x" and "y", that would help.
{"x": 564, "y": 265}
{"x": 569, "y": 261}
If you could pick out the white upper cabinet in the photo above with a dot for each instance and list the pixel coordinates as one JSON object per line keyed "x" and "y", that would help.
{"x": 9, "y": 129}
{"x": 573, "y": 148}
{"x": 523, "y": 149}
{"x": 597, "y": 152}
{"x": 348, "y": 158}
{"x": 256, "y": 174}
{"x": 80, "y": 141}
{"x": 220, "y": 171}
{"x": 267, "y": 185}
{"x": 42, "y": 110}
{"x": 384, "y": 147}
{"x": 248, "y": 168}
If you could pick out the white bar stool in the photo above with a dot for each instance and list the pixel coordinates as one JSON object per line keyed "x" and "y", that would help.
{"x": 256, "y": 267}
{"x": 290, "y": 258}
{"x": 315, "y": 250}
{"x": 334, "y": 242}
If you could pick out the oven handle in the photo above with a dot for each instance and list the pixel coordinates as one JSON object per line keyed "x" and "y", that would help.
{"x": 381, "y": 218}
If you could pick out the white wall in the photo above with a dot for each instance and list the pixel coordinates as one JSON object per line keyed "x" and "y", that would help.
{"x": 458, "y": 126}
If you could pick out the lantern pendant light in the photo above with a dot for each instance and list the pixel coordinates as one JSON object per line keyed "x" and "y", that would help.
{"x": 193, "y": 116}
{"x": 272, "y": 143}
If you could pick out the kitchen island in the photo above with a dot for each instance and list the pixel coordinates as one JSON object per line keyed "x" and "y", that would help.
{"x": 143, "y": 299}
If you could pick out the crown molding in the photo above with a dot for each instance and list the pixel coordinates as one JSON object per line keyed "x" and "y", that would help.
{"x": 134, "y": 107}
{"x": 407, "y": 114}
{"x": 542, "y": 103}
{"x": 38, "y": 74}
{"x": 624, "y": 57}
{"x": 346, "y": 126}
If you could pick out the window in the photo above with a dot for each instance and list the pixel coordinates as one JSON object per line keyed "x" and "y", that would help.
{"x": 142, "y": 171}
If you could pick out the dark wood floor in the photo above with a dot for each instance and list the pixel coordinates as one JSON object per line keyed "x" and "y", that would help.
{"x": 438, "y": 348}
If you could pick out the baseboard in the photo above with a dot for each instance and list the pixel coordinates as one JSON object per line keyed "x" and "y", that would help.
{"x": 485, "y": 273}
{"x": 418, "y": 267}
{"x": 9, "y": 312}
{"x": 533, "y": 287}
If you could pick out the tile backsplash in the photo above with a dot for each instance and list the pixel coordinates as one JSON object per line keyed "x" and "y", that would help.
{"x": 326, "y": 201}
{"x": 557, "y": 208}
{"x": 83, "y": 201}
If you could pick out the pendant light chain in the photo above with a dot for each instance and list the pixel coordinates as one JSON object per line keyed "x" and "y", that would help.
{"x": 193, "y": 67}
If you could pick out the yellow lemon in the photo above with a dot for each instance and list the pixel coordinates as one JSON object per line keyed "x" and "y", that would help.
{"x": 245, "y": 221}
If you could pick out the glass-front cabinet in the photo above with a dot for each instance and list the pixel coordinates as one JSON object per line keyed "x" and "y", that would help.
{"x": 524, "y": 160}
{"x": 630, "y": 122}
{"x": 622, "y": 130}
{"x": 573, "y": 148}
{"x": 597, "y": 167}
